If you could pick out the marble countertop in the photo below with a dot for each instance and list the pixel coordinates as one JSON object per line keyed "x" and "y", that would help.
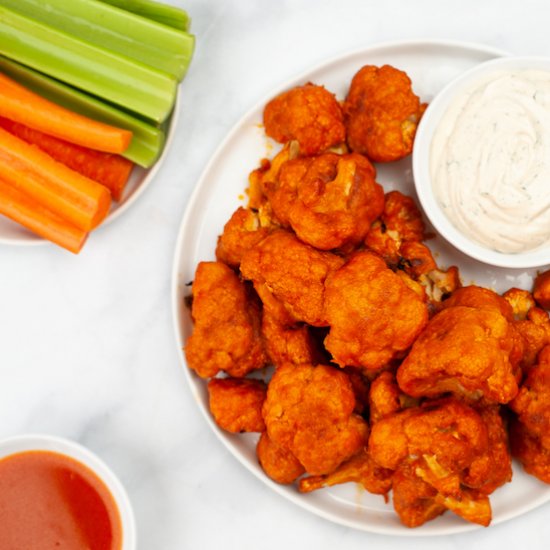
{"x": 87, "y": 349}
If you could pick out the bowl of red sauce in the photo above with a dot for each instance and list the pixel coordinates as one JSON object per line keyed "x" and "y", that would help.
{"x": 54, "y": 493}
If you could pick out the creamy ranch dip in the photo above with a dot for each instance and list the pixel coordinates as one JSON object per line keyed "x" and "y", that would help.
{"x": 490, "y": 161}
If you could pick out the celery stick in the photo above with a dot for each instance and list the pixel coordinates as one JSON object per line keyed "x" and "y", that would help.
{"x": 167, "y": 15}
{"x": 147, "y": 141}
{"x": 105, "y": 74}
{"x": 111, "y": 28}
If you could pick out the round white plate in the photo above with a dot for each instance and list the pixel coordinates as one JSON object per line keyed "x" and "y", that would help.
{"x": 12, "y": 233}
{"x": 220, "y": 191}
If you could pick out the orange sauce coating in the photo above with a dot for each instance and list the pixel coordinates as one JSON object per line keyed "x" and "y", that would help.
{"x": 51, "y": 501}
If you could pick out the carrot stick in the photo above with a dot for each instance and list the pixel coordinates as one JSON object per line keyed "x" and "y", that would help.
{"x": 21, "y": 105}
{"x": 15, "y": 205}
{"x": 74, "y": 197}
{"x": 110, "y": 170}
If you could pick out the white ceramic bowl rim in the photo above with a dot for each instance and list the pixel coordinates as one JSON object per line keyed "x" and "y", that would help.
{"x": 40, "y": 442}
{"x": 533, "y": 258}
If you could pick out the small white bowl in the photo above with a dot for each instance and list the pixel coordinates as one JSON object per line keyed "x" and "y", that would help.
{"x": 22, "y": 443}
{"x": 421, "y": 165}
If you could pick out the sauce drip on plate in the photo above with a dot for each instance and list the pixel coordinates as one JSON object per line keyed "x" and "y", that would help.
{"x": 50, "y": 501}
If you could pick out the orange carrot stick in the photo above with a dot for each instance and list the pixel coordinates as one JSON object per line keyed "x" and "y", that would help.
{"x": 20, "y": 104}
{"x": 109, "y": 169}
{"x": 15, "y": 205}
{"x": 78, "y": 199}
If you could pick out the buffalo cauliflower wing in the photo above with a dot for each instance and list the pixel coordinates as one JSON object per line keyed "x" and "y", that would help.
{"x": 413, "y": 499}
{"x": 431, "y": 448}
{"x": 384, "y": 397}
{"x": 493, "y": 467}
{"x": 236, "y": 404}
{"x": 308, "y": 114}
{"x": 288, "y": 344}
{"x": 278, "y": 462}
{"x": 532, "y": 403}
{"x": 241, "y": 233}
{"x": 464, "y": 350}
{"x": 330, "y": 200}
{"x": 309, "y": 412}
{"x": 531, "y": 322}
{"x": 373, "y": 315}
{"x": 286, "y": 271}
{"x": 416, "y": 259}
{"x": 479, "y": 298}
{"x": 381, "y": 113}
{"x": 226, "y": 334}
{"x": 529, "y": 450}
{"x": 448, "y": 433}
{"x": 541, "y": 289}
{"x": 535, "y": 334}
{"x": 400, "y": 222}
{"x": 521, "y": 302}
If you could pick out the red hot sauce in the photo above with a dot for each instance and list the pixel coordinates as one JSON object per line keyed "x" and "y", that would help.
{"x": 51, "y": 501}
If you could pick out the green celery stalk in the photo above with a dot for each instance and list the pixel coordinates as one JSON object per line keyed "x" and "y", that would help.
{"x": 147, "y": 141}
{"x": 167, "y": 15}
{"x": 164, "y": 48}
{"x": 105, "y": 74}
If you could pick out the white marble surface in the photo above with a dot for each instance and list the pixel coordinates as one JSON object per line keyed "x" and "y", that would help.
{"x": 86, "y": 343}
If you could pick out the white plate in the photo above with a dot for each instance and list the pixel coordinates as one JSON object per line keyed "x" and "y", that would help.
{"x": 14, "y": 234}
{"x": 430, "y": 65}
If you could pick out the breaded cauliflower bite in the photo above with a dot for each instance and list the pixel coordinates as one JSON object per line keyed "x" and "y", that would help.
{"x": 288, "y": 344}
{"x": 492, "y": 468}
{"x": 528, "y": 449}
{"x": 373, "y": 315}
{"x": 448, "y": 433}
{"x": 532, "y": 403}
{"x": 226, "y": 334}
{"x": 535, "y": 334}
{"x": 292, "y": 273}
{"x": 402, "y": 216}
{"x": 241, "y": 233}
{"x": 479, "y": 298}
{"x": 413, "y": 499}
{"x": 308, "y": 114}
{"x": 401, "y": 222}
{"x": 278, "y": 462}
{"x": 464, "y": 350}
{"x": 384, "y": 397}
{"x": 431, "y": 449}
{"x": 309, "y": 412}
{"x": 541, "y": 290}
{"x": 236, "y": 404}
{"x": 381, "y": 113}
{"x": 532, "y": 324}
{"x": 416, "y": 259}
{"x": 330, "y": 200}
{"x": 266, "y": 175}
{"x": 521, "y": 302}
